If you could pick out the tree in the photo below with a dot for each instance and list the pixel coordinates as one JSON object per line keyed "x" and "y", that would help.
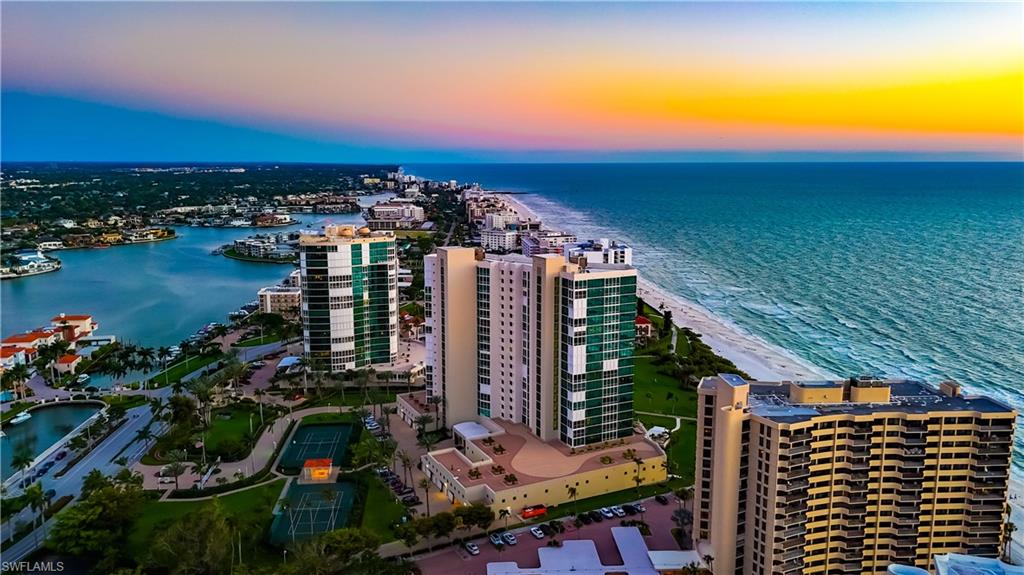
{"x": 36, "y": 500}
{"x": 176, "y": 467}
{"x": 199, "y": 542}
{"x": 98, "y": 524}
{"x": 710, "y": 560}
{"x": 163, "y": 353}
{"x": 421, "y": 422}
{"x": 573, "y": 493}
{"x": 1008, "y": 530}
{"x": 21, "y": 461}
{"x": 347, "y": 551}
{"x": 15, "y": 377}
{"x": 406, "y": 460}
{"x": 505, "y": 513}
{"x": 425, "y": 484}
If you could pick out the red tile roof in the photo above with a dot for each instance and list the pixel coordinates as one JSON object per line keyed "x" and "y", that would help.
{"x": 69, "y": 358}
{"x": 318, "y": 463}
{"x": 28, "y": 337}
{"x": 641, "y": 320}
{"x": 10, "y": 351}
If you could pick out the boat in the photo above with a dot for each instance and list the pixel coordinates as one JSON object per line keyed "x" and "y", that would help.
{"x": 83, "y": 379}
{"x": 21, "y": 418}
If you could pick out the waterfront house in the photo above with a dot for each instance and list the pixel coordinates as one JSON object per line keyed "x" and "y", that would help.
{"x": 68, "y": 363}
{"x": 12, "y": 356}
{"x": 644, "y": 330}
{"x": 73, "y": 327}
{"x": 111, "y": 237}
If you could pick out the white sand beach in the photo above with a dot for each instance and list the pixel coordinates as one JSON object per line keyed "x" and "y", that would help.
{"x": 760, "y": 359}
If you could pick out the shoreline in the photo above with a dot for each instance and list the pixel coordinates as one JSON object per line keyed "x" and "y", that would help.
{"x": 760, "y": 359}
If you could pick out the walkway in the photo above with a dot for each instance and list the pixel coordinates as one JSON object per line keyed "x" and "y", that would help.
{"x": 679, "y": 418}
{"x": 258, "y": 458}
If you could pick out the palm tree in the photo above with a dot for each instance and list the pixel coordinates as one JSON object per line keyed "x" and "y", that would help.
{"x": 573, "y": 493}
{"x": 424, "y": 484}
{"x": 1008, "y": 529}
{"x": 177, "y": 465}
{"x": 259, "y": 399}
{"x": 185, "y": 347}
{"x": 303, "y": 364}
{"x": 21, "y": 461}
{"x": 422, "y": 421}
{"x": 17, "y": 376}
{"x": 36, "y": 500}
{"x": 710, "y": 560}
{"x": 406, "y": 460}
{"x": 156, "y": 405}
{"x": 163, "y": 353}
{"x": 505, "y": 513}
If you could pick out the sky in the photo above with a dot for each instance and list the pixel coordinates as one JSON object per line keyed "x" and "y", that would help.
{"x": 465, "y": 82}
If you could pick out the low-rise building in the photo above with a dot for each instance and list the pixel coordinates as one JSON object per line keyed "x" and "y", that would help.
{"x": 600, "y": 251}
{"x": 545, "y": 242}
{"x": 394, "y": 216}
{"x": 68, "y": 363}
{"x": 498, "y": 240}
{"x": 282, "y": 300}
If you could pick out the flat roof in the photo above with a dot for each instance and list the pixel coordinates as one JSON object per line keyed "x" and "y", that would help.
{"x": 771, "y": 399}
{"x": 580, "y": 557}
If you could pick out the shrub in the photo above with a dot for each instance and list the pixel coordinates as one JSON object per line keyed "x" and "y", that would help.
{"x": 497, "y": 469}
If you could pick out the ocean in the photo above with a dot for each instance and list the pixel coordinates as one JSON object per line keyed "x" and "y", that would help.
{"x": 893, "y": 269}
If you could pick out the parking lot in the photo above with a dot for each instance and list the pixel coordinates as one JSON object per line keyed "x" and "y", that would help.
{"x": 457, "y": 560}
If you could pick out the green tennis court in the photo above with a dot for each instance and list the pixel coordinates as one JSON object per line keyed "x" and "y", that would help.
{"x": 311, "y": 509}
{"x": 316, "y": 441}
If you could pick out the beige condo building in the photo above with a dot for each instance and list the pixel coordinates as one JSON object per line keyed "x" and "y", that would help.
{"x": 847, "y": 476}
{"x": 534, "y": 354}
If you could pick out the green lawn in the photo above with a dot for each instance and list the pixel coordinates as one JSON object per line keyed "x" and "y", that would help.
{"x": 254, "y": 341}
{"x": 650, "y": 421}
{"x": 126, "y": 401}
{"x": 181, "y": 369}
{"x": 353, "y": 397}
{"x": 648, "y": 379}
{"x": 682, "y": 451}
{"x": 250, "y": 506}
{"x": 382, "y": 509}
{"x": 232, "y": 429}
{"x": 16, "y": 408}
{"x": 682, "y": 344}
{"x": 606, "y": 500}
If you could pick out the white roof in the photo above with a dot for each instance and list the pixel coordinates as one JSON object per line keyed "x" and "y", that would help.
{"x": 656, "y": 430}
{"x": 581, "y": 558}
{"x": 956, "y": 564}
{"x": 288, "y": 361}
{"x": 471, "y": 430}
{"x": 673, "y": 560}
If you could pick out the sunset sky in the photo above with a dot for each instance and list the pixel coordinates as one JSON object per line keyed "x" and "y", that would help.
{"x": 511, "y": 82}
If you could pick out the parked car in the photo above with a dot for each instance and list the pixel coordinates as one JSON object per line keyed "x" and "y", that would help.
{"x": 536, "y": 532}
{"x": 640, "y": 508}
{"x": 585, "y": 518}
{"x": 383, "y": 471}
{"x": 407, "y": 491}
{"x": 496, "y": 539}
{"x": 617, "y": 511}
{"x": 411, "y": 500}
{"x": 629, "y": 509}
{"x": 165, "y": 480}
{"x": 661, "y": 499}
{"x": 61, "y": 455}
{"x": 472, "y": 549}
{"x": 595, "y": 516}
{"x": 546, "y": 530}
{"x": 509, "y": 538}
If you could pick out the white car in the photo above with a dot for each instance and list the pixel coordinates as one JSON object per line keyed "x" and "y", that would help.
{"x": 640, "y": 508}
{"x": 509, "y": 538}
{"x": 618, "y": 511}
{"x": 536, "y": 532}
{"x": 496, "y": 539}
{"x": 472, "y": 549}
{"x": 607, "y": 513}
{"x": 164, "y": 480}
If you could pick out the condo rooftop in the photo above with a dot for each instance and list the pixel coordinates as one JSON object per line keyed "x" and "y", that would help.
{"x": 794, "y": 402}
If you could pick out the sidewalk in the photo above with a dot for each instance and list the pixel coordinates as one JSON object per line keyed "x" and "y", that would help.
{"x": 258, "y": 458}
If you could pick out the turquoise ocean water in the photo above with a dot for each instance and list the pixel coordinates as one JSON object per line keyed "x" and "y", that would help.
{"x": 901, "y": 270}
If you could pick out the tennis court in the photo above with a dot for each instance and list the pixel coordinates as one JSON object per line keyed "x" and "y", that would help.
{"x": 316, "y": 441}
{"x": 311, "y": 509}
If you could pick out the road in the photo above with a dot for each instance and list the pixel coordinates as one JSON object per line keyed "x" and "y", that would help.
{"x": 101, "y": 457}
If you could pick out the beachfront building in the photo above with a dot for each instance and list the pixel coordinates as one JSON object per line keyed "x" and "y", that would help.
{"x": 349, "y": 297}
{"x": 533, "y": 356}
{"x": 847, "y": 476}
{"x": 499, "y": 239}
{"x": 394, "y": 215}
{"x": 545, "y": 242}
{"x": 601, "y": 251}
{"x": 284, "y": 300}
